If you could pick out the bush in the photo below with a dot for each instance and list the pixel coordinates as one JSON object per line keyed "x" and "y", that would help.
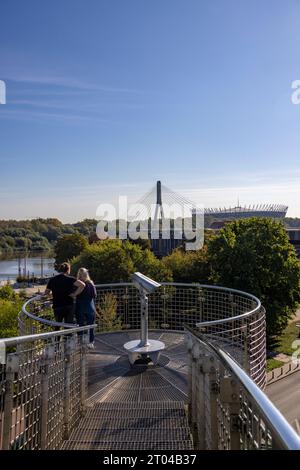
{"x": 9, "y": 311}
{"x": 7, "y": 293}
{"x": 107, "y": 313}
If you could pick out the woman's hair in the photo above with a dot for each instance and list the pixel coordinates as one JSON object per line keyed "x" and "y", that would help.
{"x": 83, "y": 275}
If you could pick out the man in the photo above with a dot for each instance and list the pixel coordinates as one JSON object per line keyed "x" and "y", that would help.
{"x": 62, "y": 286}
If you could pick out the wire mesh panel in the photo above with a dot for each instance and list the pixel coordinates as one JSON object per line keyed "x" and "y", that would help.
{"x": 36, "y": 317}
{"x": 41, "y": 389}
{"x": 55, "y": 382}
{"x": 232, "y": 319}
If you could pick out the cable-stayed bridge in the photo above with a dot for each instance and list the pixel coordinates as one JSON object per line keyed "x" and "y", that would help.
{"x": 153, "y": 206}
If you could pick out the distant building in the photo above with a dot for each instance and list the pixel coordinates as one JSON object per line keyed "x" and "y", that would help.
{"x": 294, "y": 236}
{"x": 274, "y": 211}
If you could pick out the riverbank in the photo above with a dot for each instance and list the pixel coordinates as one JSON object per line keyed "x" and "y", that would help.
{"x": 30, "y": 290}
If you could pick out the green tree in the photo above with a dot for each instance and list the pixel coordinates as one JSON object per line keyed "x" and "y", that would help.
{"x": 255, "y": 255}
{"x": 69, "y": 246}
{"x": 114, "y": 261}
{"x": 146, "y": 262}
{"x": 106, "y": 261}
{"x": 188, "y": 266}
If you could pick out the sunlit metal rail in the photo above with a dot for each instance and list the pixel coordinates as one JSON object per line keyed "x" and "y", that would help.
{"x": 227, "y": 409}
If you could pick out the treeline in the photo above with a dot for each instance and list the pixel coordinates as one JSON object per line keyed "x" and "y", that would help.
{"x": 38, "y": 234}
{"x": 42, "y": 234}
{"x": 292, "y": 222}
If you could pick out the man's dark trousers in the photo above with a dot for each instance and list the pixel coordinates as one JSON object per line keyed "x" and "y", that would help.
{"x": 64, "y": 314}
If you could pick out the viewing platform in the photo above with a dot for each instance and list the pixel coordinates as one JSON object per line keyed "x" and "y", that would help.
{"x": 139, "y": 407}
{"x": 204, "y": 392}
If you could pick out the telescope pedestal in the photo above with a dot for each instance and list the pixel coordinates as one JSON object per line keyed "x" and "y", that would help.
{"x": 136, "y": 351}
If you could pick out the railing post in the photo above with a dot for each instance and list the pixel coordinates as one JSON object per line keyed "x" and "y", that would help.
{"x": 48, "y": 357}
{"x": 246, "y": 338}
{"x": 189, "y": 344}
{"x": 209, "y": 370}
{"x": 12, "y": 367}
{"x": 83, "y": 371}
{"x": 229, "y": 394}
{"x": 198, "y": 405}
{"x": 69, "y": 347}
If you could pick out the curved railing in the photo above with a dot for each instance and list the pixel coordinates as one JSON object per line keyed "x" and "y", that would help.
{"x": 227, "y": 410}
{"x": 36, "y": 316}
{"x": 230, "y": 318}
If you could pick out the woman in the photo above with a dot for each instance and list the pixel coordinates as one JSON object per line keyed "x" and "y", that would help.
{"x": 85, "y": 303}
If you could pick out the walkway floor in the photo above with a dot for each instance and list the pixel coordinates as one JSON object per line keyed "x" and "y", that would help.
{"x": 140, "y": 407}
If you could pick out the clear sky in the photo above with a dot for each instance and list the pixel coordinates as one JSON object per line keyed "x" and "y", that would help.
{"x": 104, "y": 97}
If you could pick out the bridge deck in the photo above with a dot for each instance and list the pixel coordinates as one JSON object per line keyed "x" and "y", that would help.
{"x": 139, "y": 407}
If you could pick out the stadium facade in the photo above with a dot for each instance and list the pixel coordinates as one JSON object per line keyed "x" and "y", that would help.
{"x": 274, "y": 211}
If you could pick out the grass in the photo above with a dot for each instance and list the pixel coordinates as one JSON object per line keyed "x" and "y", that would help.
{"x": 273, "y": 364}
{"x": 283, "y": 343}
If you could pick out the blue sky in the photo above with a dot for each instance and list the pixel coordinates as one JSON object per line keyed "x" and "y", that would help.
{"x": 104, "y": 97}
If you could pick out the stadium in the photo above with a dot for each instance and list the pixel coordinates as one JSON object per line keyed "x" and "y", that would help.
{"x": 274, "y": 211}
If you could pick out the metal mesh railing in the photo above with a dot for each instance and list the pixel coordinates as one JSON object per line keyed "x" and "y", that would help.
{"x": 227, "y": 410}
{"x": 43, "y": 374}
{"x": 43, "y": 388}
{"x": 37, "y": 317}
{"x": 229, "y": 318}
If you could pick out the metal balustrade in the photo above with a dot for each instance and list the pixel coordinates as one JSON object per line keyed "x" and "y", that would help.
{"x": 43, "y": 374}
{"x": 37, "y": 316}
{"x": 228, "y": 317}
{"x": 43, "y": 382}
{"x": 227, "y": 410}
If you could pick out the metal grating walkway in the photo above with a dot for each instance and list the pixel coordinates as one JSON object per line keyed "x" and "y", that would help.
{"x": 140, "y": 407}
{"x": 145, "y": 426}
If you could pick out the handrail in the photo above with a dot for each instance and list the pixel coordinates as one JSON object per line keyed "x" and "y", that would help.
{"x": 190, "y": 284}
{"x": 16, "y": 340}
{"x": 224, "y": 320}
{"x": 43, "y": 320}
{"x": 204, "y": 286}
{"x": 284, "y": 433}
{"x": 178, "y": 284}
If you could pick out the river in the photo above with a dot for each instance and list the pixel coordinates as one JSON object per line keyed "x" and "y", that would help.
{"x": 39, "y": 265}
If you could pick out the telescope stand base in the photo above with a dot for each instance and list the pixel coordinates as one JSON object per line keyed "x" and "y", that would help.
{"x": 152, "y": 350}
